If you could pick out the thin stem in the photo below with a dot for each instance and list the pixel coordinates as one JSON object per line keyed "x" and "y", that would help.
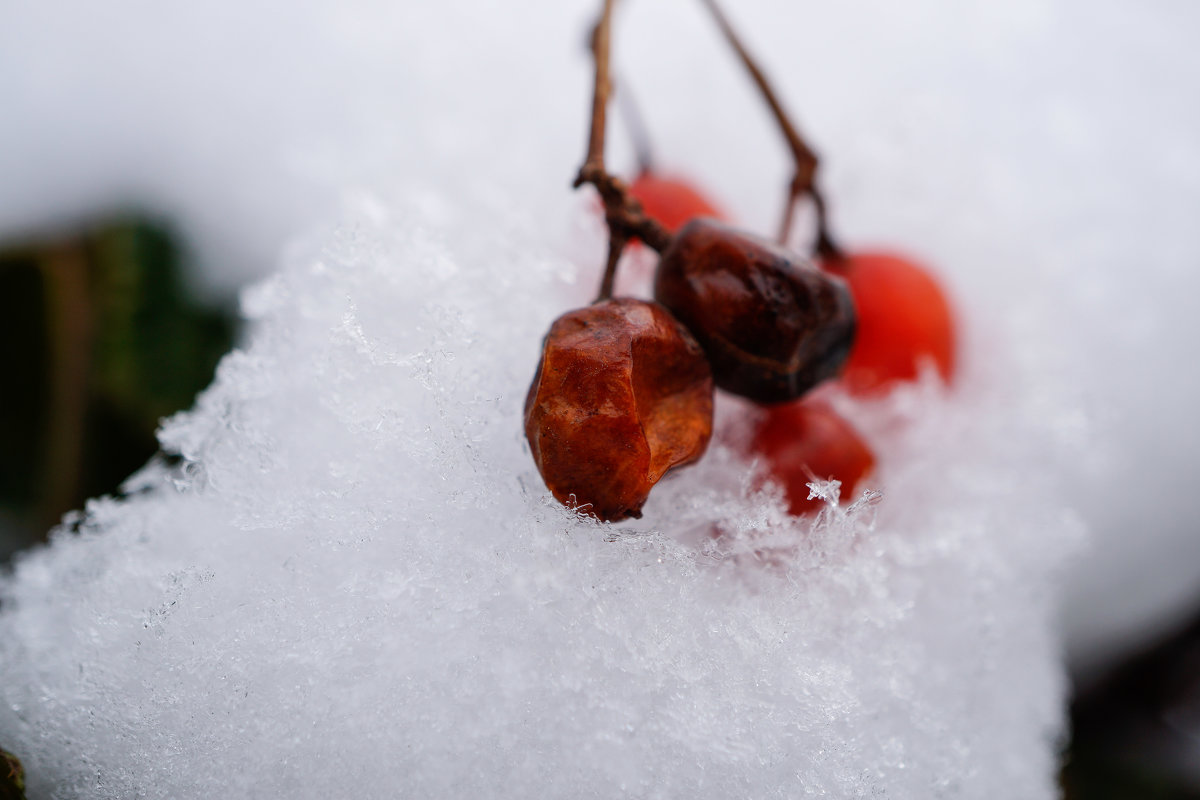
{"x": 636, "y": 125}
{"x": 806, "y": 161}
{"x": 616, "y": 244}
{"x": 601, "y": 48}
{"x": 789, "y": 212}
{"x": 623, "y": 213}
{"x": 825, "y": 246}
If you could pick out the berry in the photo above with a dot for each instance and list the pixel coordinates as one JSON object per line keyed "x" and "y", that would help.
{"x": 772, "y": 326}
{"x": 673, "y": 202}
{"x": 808, "y": 440}
{"x": 904, "y": 320}
{"x": 623, "y": 394}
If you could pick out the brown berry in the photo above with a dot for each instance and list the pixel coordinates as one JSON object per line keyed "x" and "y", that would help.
{"x": 623, "y": 394}
{"x": 773, "y": 326}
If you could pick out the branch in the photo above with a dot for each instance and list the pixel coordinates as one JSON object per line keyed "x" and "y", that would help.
{"x": 804, "y": 180}
{"x": 623, "y": 213}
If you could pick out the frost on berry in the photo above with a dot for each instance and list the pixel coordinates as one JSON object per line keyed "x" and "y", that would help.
{"x": 623, "y": 394}
{"x": 772, "y": 326}
{"x": 807, "y": 441}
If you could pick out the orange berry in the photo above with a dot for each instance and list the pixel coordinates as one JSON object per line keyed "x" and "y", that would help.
{"x": 673, "y": 202}
{"x": 904, "y": 319}
{"x": 808, "y": 440}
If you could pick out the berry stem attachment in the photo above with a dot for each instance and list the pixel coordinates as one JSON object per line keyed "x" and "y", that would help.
{"x": 804, "y": 180}
{"x": 616, "y": 243}
{"x": 624, "y": 214}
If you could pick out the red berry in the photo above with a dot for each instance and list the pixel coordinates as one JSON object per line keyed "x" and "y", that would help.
{"x": 673, "y": 202}
{"x": 904, "y": 320}
{"x": 808, "y": 440}
{"x": 772, "y": 325}
{"x": 622, "y": 395}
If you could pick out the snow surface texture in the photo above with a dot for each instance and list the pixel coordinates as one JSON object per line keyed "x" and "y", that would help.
{"x": 1042, "y": 153}
{"x": 357, "y": 585}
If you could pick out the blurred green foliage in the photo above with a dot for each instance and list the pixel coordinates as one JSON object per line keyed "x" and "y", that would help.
{"x": 100, "y": 337}
{"x": 1108, "y": 774}
{"x": 12, "y": 777}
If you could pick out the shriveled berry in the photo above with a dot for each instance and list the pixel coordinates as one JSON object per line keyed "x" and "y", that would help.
{"x": 904, "y": 320}
{"x": 671, "y": 201}
{"x": 808, "y": 440}
{"x": 772, "y": 325}
{"x": 623, "y": 394}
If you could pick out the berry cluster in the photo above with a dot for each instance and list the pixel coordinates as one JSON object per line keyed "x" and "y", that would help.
{"x": 624, "y": 389}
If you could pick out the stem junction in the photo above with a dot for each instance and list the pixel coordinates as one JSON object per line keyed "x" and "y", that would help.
{"x": 624, "y": 214}
{"x": 806, "y": 161}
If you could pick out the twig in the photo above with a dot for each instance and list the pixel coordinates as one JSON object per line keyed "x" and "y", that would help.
{"x": 635, "y": 123}
{"x": 616, "y": 243}
{"x": 804, "y": 180}
{"x": 601, "y": 48}
{"x": 624, "y": 214}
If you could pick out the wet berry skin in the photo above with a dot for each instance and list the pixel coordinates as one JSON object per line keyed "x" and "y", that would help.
{"x": 673, "y": 202}
{"x": 904, "y": 320}
{"x": 805, "y": 440}
{"x": 622, "y": 395}
{"x": 773, "y": 325}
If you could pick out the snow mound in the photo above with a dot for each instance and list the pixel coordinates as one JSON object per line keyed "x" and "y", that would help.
{"x": 1040, "y": 154}
{"x": 355, "y": 585}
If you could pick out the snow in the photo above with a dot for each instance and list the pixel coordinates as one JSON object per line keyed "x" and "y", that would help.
{"x": 356, "y": 583}
{"x": 359, "y": 567}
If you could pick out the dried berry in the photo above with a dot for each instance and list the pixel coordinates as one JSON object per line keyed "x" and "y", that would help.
{"x": 623, "y": 394}
{"x": 808, "y": 440}
{"x": 904, "y": 320}
{"x": 772, "y": 326}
